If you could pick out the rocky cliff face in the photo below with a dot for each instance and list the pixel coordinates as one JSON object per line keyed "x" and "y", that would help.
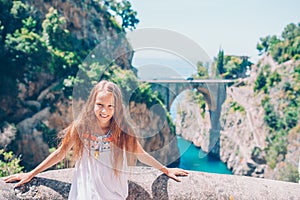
{"x": 149, "y": 183}
{"x": 243, "y": 133}
{"x": 39, "y": 120}
{"x": 243, "y": 138}
{"x": 190, "y": 123}
{"x": 88, "y": 22}
{"x": 155, "y": 133}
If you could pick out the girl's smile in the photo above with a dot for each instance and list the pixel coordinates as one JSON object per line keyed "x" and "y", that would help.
{"x": 103, "y": 115}
{"x": 104, "y": 108}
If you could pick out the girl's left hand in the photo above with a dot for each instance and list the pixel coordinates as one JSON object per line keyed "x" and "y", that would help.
{"x": 174, "y": 172}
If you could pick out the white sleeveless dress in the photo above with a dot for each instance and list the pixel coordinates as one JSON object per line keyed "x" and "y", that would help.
{"x": 94, "y": 178}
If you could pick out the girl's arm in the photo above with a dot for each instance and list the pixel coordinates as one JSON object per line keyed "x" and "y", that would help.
{"x": 147, "y": 159}
{"x": 51, "y": 160}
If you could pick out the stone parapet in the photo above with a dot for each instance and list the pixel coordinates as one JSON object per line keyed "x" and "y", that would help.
{"x": 148, "y": 183}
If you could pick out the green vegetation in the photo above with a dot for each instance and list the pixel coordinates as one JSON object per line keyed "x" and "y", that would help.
{"x": 199, "y": 99}
{"x": 277, "y": 138}
{"x": 30, "y": 47}
{"x": 9, "y": 164}
{"x": 266, "y": 79}
{"x": 235, "y": 66}
{"x": 289, "y": 173}
{"x": 237, "y": 107}
{"x": 274, "y": 78}
{"x": 281, "y": 122}
{"x": 123, "y": 10}
{"x": 220, "y": 62}
{"x": 202, "y": 71}
{"x": 225, "y": 66}
{"x": 25, "y": 39}
{"x": 260, "y": 82}
{"x": 282, "y": 48}
{"x": 279, "y": 129}
{"x": 271, "y": 117}
{"x": 231, "y": 67}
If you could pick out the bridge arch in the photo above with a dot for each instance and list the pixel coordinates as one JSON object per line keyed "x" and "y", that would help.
{"x": 214, "y": 93}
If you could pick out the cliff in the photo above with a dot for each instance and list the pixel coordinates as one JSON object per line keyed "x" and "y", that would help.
{"x": 190, "y": 124}
{"x": 149, "y": 183}
{"x": 244, "y": 134}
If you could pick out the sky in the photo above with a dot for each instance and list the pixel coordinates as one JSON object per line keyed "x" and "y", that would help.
{"x": 233, "y": 25}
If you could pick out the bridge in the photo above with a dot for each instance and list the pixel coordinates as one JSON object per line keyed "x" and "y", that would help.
{"x": 214, "y": 93}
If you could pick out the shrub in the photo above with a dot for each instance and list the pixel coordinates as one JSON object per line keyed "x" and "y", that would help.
{"x": 277, "y": 149}
{"x": 289, "y": 173}
{"x": 260, "y": 82}
{"x": 9, "y": 164}
{"x": 271, "y": 117}
{"x": 291, "y": 117}
{"x": 274, "y": 78}
{"x": 237, "y": 107}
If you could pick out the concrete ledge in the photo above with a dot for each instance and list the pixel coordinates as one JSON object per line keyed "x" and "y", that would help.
{"x": 148, "y": 183}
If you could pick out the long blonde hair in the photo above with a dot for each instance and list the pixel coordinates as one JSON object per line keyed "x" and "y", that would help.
{"x": 123, "y": 137}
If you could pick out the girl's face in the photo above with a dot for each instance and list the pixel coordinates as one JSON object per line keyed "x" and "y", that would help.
{"x": 104, "y": 108}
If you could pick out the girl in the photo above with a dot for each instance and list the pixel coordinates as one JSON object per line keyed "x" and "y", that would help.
{"x": 104, "y": 145}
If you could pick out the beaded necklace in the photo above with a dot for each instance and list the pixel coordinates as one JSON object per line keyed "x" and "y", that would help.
{"x": 98, "y": 143}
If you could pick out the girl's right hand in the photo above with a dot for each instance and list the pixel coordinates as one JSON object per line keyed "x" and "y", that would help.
{"x": 22, "y": 178}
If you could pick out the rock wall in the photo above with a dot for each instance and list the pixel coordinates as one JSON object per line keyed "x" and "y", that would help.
{"x": 244, "y": 135}
{"x": 154, "y": 133}
{"x": 243, "y": 131}
{"x": 190, "y": 124}
{"x": 148, "y": 183}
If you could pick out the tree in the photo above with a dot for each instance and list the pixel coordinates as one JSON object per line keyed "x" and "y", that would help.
{"x": 285, "y": 48}
{"x": 235, "y": 66}
{"x": 123, "y": 10}
{"x": 290, "y": 32}
{"x": 202, "y": 71}
{"x": 260, "y": 82}
{"x": 267, "y": 43}
{"x": 220, "y": 62}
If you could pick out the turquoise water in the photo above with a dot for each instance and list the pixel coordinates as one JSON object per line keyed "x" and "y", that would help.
{"x": 193, "y": 158}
